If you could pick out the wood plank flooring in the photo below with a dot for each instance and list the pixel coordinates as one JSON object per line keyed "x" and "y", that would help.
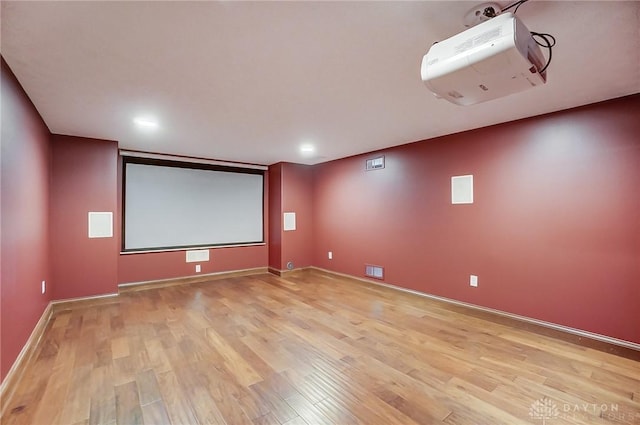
{"x": 310, "y": 349}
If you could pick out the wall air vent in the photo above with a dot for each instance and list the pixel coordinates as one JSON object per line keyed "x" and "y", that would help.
{"x": 376, "y": 272}
{"x": 375, "y": 163}
{"x": 197, "y": 255}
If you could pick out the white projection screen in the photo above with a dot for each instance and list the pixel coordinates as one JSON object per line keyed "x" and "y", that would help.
{"x": 169, "y": 206}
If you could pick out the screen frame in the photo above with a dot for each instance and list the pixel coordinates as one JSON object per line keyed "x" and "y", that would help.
{"x": 190, "y": 165}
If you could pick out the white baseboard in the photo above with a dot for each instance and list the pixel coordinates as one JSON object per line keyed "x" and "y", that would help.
{"x": 11, "y": 380}
{"x": 578, "y": 332}
{"x": 190, "y": 279}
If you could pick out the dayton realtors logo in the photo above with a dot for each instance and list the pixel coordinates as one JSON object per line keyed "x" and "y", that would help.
{"x": 544, "y": 409}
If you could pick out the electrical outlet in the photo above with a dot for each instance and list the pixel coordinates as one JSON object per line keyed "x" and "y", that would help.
{"x": 44, "y": 287}
{"x": 330, "y": 255}
{"x": 473, "y": 281}
{"x": 198, "y": 268}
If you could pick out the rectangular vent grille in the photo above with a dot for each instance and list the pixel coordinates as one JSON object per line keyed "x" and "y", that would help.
{"x": 375, "y": 163}
{"x": 376, "y": 272}
{"x": 197, "y": 255}
{"x": 478, "y": 40}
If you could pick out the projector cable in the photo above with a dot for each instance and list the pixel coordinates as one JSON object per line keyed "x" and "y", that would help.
{"x": 548, "y": 42}
{"x": 516, "y": 5}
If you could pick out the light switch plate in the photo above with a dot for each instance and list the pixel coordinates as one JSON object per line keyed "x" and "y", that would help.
{"x": 473, "y": 281}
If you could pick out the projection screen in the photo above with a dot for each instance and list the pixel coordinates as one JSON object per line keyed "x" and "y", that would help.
{"x": 167, "y": 205}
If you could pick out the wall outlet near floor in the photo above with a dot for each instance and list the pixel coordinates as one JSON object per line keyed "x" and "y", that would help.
{"x": 330, "y": 255}
{"x": 198, "y": 268}
{"x": 473, "y": 281}
{"x": 44, "y": 287}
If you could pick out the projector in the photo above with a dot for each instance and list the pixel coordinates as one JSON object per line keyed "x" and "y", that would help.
{"x": 493, "y": 59}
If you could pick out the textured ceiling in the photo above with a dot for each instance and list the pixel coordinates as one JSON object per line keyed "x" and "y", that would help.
{"x": 251, "y": 81}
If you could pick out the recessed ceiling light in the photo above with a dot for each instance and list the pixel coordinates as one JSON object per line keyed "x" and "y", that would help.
{"x": 307, "y": 149}
{"x": 146, "y": 123}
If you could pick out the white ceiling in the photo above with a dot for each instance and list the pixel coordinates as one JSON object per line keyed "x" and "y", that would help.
{"x": 251, "y": 81}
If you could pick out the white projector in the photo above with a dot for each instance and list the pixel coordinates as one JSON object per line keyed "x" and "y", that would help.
{"x": 493, "y": 59}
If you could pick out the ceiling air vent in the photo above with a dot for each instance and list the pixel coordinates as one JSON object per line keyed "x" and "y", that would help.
{"x": 375, "y": 163}
{"x": 376, "y": 272}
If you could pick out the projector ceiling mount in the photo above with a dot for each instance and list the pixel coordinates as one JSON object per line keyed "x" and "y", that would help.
{"x": 485, "y": 11}
{"x": 480, "y": 13}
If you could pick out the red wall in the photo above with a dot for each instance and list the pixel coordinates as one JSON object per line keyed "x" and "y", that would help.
{"x": 554, "y": 233}
{"x": 275, "y": 215}
{"x": 172, "y": 264}
{"x": 291, "y": 190}
{"x": 24, "y": 218}
{"x": 297, "y": 196}
{"x": 83, "y": 179}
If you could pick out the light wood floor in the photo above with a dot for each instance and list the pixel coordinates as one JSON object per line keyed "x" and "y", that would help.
{"x": 310, "y": 349}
